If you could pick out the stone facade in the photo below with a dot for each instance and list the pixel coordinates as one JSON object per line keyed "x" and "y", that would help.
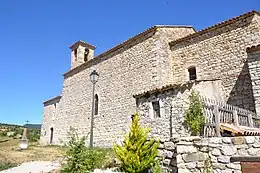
{"x": 124, "y": 71}
{"x": 172, "y": 102}
{"x": 254, "y": 69}
{"x": 49, "y": 118}
{"x": 146, "y": 62}
{"x": 219, "y": 52}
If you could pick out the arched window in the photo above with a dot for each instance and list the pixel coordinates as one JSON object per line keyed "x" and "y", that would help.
{"x": 192, "y": 73}
{"x": 96, "y": 104}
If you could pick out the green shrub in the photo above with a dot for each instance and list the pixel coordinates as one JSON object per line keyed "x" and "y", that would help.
{"x": 4, "y": 166}
{"x": 79, "y": 158}
{"x": 194, "y": 119}
{"x": 137, "y": 154}
{"x": 34, "y": 135}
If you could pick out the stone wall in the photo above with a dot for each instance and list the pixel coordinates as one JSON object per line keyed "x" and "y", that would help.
{"x": 254, "y": 69}
{"x": 173, "y": 102}
{"x": 195, "y": 154}
{"x": 220, "y": 53}
{"x": 130, "y": 69}
{"x": 49, "y": 119}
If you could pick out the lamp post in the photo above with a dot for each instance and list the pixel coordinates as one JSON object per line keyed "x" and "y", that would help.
{"x": 93, "y": 78}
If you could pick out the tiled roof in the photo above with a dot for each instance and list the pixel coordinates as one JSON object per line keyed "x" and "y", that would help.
{"x": 82, "y": 43}
{"x": 52, "y": 99}
{"x": 130, "y": 40}
{"x": 240, "y": 130}
{"x": 253, "y": 48}
{"x": 169, "y": 87}
{"x": 219, "y": 25}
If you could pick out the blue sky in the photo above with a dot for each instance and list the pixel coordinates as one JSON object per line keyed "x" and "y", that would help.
{"x": 35, "y": 35}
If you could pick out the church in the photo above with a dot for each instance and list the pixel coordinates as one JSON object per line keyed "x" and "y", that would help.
{"x": 153, "y": 74}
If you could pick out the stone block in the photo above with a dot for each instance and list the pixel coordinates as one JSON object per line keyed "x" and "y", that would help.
{"x": 169, "y": 154}
{"x": 200, "y": 164}
{"x": 184, "y": 171}
{"x": 215, "y": 140}
{"x": 238, "y": 140}
{"x": 218, "y": 166}
{"x": 166, "y": 162}
{"x": 226, "y": 140}
{"x": 169, "y": 146}
{"x": 195, "y": 157}
{"x": 235, "y": 166}
{"x": 191, "y": 165}
{"x": 250, "y": 139}
{"x": 224, "y": 159}
{"x": 186, "y": 149}
{"x": 228, "y": 150}
{"x": 215, "y": 152}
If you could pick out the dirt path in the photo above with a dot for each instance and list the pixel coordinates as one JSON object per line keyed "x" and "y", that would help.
{"x": 34, "y": 167}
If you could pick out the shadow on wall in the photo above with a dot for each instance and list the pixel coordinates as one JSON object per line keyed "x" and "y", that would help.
{"x": 241, "y": 94}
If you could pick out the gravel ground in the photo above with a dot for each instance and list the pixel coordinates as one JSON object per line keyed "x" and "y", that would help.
{"x": 34, "y": 167}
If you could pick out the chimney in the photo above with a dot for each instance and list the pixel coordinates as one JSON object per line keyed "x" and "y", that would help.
{"x": 81, "y": 52}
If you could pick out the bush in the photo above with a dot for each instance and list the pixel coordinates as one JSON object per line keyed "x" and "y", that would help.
{"x": 79, "y": 158}
{"x": 194, "y": 119}
{"x": 4, "y": 166}
{"x": 137, "y": 154}
{"x": 34, "y": 135}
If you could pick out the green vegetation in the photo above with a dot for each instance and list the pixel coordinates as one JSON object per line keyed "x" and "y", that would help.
{"x": 33, "y": 136}
{"x": 4, "y": 166}
{"x": 80, "y": 158}
{"x": 137, "y": 154}
{"x": 194, "y": 119}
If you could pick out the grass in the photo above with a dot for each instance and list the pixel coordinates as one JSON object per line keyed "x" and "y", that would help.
{"x": 10, "y": 156}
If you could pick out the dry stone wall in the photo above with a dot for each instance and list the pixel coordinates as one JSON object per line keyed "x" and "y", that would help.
{"x": 131, "y": 69}
{"x": 220, "y": 53}
{"x": 196, "y": 155}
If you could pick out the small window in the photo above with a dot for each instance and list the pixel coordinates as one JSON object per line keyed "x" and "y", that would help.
{"x": 75, "y": 53}
{"x": 156, "y": 109}
{"x": 192, "y": 73}
{"x": 96, "y": 104}
{"x": 86, "y": 55}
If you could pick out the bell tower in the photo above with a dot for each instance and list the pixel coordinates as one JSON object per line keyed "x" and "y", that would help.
{"x": 81, "y": 52}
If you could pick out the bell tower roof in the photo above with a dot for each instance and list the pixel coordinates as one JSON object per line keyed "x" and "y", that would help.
{"x": 82, "y": 43}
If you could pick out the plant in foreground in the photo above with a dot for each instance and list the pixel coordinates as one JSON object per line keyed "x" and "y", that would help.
{"x": 137, "y": 154}
{"x": 79, "y": 158}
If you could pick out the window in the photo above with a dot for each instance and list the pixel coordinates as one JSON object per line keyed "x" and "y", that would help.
{"x": 86, "y": 55}
{"x": 156, "y": 109}
{"x": 192, "y": 73}
{"x": 75, "y": 53}
{"x": 96, "y": 105}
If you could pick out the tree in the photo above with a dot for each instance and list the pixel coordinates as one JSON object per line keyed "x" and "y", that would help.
{"x": 137, "y": 154}
{"x": 194, "y": 119}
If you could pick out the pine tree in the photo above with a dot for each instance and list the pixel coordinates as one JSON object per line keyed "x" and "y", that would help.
{"x": 137, "y": 154}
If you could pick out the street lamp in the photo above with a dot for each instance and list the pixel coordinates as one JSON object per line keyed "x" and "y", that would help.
{"x": 93, "y": 78}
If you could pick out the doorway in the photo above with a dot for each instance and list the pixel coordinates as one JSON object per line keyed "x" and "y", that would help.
{"x": 51, "y": 136}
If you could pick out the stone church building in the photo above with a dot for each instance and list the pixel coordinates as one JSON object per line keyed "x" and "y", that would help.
{"x": 153, "y": 73}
